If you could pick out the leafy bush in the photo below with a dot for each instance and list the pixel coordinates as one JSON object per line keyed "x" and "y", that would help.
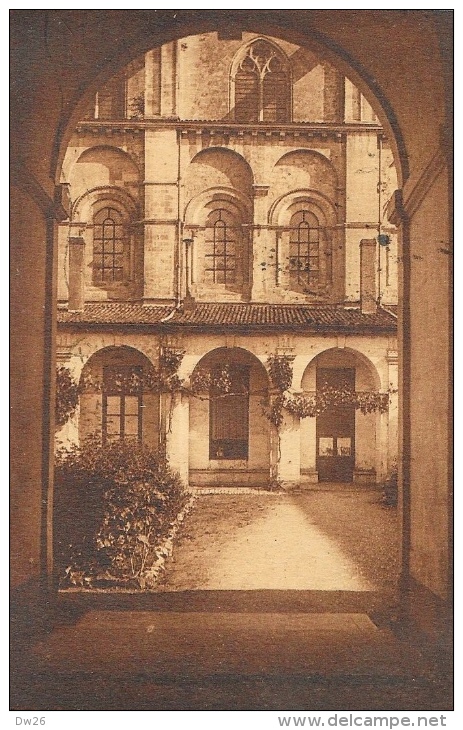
{"x": 114, "y": 504}
{"x": 67, "y": 396}
{"x": 391, "y": 489}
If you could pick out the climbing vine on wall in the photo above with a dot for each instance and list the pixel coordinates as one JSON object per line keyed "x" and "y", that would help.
{"x": 131, "y": 380}
{"x": 310, "y": 405}
{"x": 67, "y": 396}
{"x": 280, "y": 370}
{"x": 165, "y": 379}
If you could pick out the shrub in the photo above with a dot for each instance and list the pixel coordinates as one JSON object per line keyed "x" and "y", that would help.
{"x": 67, "y": 396}
{"x": 114, "y": 504}
{"x": 389, "y": 496}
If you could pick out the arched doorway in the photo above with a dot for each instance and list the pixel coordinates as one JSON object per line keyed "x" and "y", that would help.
{"x": 229, "y": 434}
{"x": 347, "y": 445}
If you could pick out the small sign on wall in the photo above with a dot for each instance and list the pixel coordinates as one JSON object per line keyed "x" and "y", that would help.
{"x": 344, "y": 446}
{"x": 326, "y": 446}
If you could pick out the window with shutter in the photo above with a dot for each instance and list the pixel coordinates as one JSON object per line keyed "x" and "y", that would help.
{"x": 229, "y": 417}
{"x": 223, "y": 234}
{"x": 110, "y": 99}
{"x": 246, "y": 97}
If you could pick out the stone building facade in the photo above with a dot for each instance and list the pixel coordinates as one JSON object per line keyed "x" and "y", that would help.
{"x": 228, "y": 203}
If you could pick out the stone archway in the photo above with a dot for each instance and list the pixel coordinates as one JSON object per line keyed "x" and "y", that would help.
{"x": 109, "y": 408}
{"x": 422, "y": 144}
{"x": 229, "y": 435}
{"x": 344, "y": 444}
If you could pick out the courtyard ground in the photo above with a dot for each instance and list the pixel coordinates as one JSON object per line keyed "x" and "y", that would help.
{"x": 333, "y": 539}
{"x": 248, "y": 618}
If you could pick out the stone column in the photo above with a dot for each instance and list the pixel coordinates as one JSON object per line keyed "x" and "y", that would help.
{"x": 168, "y": 79}
{"x": 161, "y": 215}
{"x": 153, "y": 83}
{"x": 393, "y": 414}
{"x": 289, "y": 463}
{"x": 177, "y": 434}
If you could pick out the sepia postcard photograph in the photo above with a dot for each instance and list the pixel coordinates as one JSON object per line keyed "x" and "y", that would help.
{"x": 231, "y": 364}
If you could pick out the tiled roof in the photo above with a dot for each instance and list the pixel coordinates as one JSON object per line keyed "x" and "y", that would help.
{"x": 115, "y": 313}
{"x": 227, "y": 315}
{"x": 282, "y": 315}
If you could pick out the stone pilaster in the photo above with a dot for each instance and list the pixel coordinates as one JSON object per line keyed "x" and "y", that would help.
{"x": 76, "y": 274}
{"x": 177, "y": 434}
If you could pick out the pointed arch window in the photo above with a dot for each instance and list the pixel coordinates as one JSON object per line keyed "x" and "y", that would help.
{"x": 304, "y": 250}
{"x": 262, "y": 89}
{"x": 109, "y": 246}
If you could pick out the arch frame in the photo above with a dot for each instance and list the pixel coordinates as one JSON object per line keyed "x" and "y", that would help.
{"x": 88, "y": 200}
{"x": 301, "y": 369}
{"x": 196, "y": 210}
{"x": 280, "y": 211}
{"x": 68, "y": 166}
{"x": 316, "y": 154}
{"x": 275, "y": 26}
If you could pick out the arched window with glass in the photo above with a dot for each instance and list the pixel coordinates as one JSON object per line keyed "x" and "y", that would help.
{"x": 222, "y": 241}
{"x": 304, "y": 251}
{"x": 109, "y": 247}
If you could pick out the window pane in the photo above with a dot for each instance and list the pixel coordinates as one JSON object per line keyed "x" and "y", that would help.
{"x": 344, "y": 446}
{"x": 326, "y": 446}
{"x": 113, "y": 425}
{"x": 131, "y": 405}
{"x": 113, "y": 405}
{"x": 131, "y": 425}
{"x": 246, "y": 97}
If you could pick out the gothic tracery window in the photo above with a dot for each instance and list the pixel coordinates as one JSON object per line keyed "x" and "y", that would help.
{"x": 262, "y": 85}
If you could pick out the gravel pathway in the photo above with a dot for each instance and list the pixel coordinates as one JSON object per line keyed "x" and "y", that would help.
{"x": 334, "y": 540}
